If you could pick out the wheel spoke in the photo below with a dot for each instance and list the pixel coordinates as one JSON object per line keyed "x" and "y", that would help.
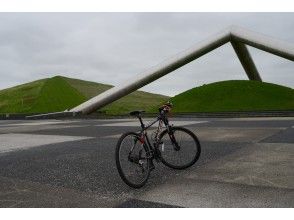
{"x": 132, "y": 160}
{"x": 189, "y": 150}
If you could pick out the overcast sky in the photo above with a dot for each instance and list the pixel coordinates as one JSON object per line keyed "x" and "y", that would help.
{"x": 113, "y": 47}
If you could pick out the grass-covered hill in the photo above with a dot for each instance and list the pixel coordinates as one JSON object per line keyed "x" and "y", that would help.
{"x": 60, "y": 93}
{"x": 235, "y": 95}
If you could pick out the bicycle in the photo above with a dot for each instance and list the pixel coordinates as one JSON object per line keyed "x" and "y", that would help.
{"x": 176, "y": 147}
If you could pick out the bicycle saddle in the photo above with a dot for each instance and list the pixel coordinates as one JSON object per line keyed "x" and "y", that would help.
{"x": 136, "y": 113}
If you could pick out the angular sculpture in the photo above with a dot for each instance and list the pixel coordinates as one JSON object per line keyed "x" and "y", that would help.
{"x": 246, "y": 60}
{"x": 236, "y": 35}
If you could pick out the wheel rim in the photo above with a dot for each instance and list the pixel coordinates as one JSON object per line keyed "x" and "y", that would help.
{"x": 183, "y": 157}
{"x": 134, "y": 166}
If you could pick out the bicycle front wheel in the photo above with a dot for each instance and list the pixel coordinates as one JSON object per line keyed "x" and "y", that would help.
{"x": 131, "y": 160}
{"x": 180, "y": 149}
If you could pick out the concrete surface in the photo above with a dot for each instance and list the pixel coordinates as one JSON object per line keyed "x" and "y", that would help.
{"x": 70, "y": 163}
{"x": 15, "y": 141}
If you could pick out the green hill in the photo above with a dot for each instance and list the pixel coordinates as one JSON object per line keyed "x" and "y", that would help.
{"x": 60, "y": 93}
{"x": 235, "y": 95}
{"x": 136, "y": 100}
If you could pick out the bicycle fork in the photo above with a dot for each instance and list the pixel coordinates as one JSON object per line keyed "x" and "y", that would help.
{"x": 173, "y": 139}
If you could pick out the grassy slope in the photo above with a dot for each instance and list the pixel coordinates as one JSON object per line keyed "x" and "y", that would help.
{"x": 20, "y": 98}
{"x": 60, "y": 93}
{"x": 57, "y": 95}
{"x": 133, "y": 101}
{"x": 235, "y": 95}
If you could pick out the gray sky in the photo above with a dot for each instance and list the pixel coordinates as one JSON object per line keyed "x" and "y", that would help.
{"x": 113, "y": 47}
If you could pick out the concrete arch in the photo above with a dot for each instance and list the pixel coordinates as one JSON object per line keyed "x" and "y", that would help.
{"x": 237, "y": 36}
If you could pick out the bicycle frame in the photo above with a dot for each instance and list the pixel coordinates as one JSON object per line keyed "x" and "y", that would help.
{"x": 144, "y": 136}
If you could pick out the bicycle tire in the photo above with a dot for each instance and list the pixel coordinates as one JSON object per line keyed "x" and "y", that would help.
{"x": 164, "y": 138}
{"x": 120, "y": 168}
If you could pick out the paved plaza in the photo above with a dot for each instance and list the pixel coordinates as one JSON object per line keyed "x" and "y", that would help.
{"x": 245, "y": 162}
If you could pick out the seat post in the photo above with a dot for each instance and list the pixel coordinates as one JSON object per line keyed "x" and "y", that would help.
{"x": 140, "y": 119}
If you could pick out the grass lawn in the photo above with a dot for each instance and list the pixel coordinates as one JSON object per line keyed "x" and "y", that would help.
{"x": 235, "y": 95}
{"x": 134, "y": 101}
{"x": 60, "y": 93}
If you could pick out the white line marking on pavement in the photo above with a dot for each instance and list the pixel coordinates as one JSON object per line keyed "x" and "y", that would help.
{"x": 14, "y": 141}
{"x": 37, "y": 123}
{"x": 136, "y": 123}
{"x": 116, "y": 119}
{"x": 259, "y": 119}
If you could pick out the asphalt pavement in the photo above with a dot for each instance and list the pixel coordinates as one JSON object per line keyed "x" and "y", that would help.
{"x": 245, "y": 162}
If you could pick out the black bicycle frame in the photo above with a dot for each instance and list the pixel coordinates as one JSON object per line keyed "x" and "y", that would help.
{"x": 161, "y": 117}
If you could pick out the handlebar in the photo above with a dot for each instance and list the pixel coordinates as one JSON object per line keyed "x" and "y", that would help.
{"x": 165, "y": 108}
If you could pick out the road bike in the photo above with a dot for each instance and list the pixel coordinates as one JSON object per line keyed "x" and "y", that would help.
{"x": 176, "y": 147}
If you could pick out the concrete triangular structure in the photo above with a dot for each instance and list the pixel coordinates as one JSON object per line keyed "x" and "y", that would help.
{"x": 237, "y": 36}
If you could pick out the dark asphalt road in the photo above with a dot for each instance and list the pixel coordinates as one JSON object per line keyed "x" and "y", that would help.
{"x": 83, "y": 173}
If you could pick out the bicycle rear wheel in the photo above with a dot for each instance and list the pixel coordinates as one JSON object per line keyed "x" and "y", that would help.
{"x": 131, "y": 160}
{"x": 183, "y": 151}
